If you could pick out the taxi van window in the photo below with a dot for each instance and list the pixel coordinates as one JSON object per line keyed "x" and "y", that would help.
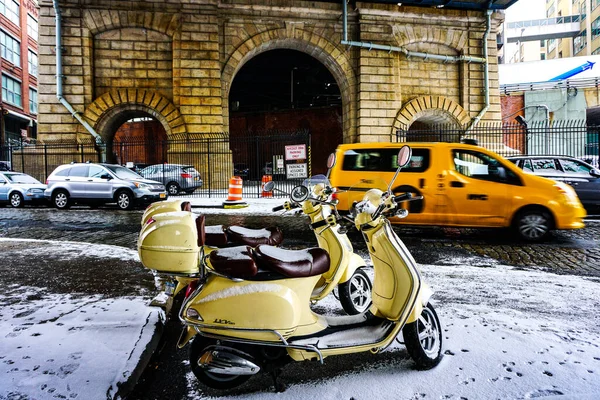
{"x": 481, "y": 166}
{"x": 384, "y": 160}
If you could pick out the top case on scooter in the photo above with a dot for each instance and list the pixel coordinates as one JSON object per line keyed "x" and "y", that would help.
{"x": 168, "y": 243}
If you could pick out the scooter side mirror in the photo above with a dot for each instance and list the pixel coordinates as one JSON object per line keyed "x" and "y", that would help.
{"x": 330, "y": 163}
{"x": 331, "y": 160}
{"x": 404, "y": 156}
{"x": 269, "y": 186}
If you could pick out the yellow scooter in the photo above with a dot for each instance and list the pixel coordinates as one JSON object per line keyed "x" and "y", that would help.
{"x": 250, "y": 311}
{"x": 347, "y": 268}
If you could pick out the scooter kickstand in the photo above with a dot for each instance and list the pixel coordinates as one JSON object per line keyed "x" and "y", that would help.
{"x": 279, "y": 386}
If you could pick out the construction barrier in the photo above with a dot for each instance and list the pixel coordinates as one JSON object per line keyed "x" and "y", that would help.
{"x": 265, "y": 179}
{"x": 234, "y": 197}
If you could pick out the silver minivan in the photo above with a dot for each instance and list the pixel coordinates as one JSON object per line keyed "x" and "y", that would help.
{"x": 93, "y": 184}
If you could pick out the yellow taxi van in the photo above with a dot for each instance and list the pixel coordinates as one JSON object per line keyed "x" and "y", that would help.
{"x": 462, "y": 185}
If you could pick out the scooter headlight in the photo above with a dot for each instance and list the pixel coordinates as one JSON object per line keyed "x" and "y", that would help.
{"x": 193, "y": 314}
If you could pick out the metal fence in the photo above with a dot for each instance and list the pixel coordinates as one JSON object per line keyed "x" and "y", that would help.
{"x": 571, "y": 138}
{"x": 261, "y": 155}
{"x": 216, "y": 157}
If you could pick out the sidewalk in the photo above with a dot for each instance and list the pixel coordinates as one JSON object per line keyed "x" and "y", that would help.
{"x": 74, "y": 320}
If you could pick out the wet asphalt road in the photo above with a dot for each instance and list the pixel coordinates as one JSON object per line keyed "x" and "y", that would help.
{"x": 570, "y": 252}
{"x": 567, "y": 252}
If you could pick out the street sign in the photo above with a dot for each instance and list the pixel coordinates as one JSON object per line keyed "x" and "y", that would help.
{"x": 295, "y": 152}
{"x": 297, "y": 171}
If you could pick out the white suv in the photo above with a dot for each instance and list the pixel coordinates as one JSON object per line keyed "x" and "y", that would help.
{"x": 94, "y": 184}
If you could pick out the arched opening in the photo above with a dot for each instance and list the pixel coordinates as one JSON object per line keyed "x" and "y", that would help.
{"x": 432, "y": 126}
{"x": 136, "y": 138}
{"x": 287, "y": 91}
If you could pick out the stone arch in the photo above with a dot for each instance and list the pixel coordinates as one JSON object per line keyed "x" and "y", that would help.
{"x": 437, "y": 108}
{"x": 97, "y": 20}
{"x": 114, "y": 106}
{"x": 336, "y": 60}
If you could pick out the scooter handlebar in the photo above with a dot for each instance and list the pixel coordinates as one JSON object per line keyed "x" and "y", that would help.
{"x": 406, "y": 197}
{"x": 278, "y": 208}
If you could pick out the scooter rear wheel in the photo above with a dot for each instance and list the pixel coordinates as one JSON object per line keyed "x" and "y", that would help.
{"x": 211, "y": 379}
{"x": 423, "y": 339}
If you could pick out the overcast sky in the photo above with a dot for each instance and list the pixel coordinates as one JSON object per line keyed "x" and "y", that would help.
{"x": 524, "y": 10}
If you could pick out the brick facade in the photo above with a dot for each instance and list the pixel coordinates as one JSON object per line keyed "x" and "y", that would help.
{"x": 176, "y": 60}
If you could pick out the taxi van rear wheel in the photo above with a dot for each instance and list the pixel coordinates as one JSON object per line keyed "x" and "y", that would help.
{"x": 533, "y": 224}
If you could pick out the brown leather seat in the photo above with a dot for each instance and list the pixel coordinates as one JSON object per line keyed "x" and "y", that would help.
{"x": 253, "y": 237}
{"x": 292, "y": 263}
{"x": 236, "y": 262}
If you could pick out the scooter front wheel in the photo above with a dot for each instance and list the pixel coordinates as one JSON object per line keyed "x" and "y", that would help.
{"x": 423, "y": 339}
{"x": 355, "y": 293}
{"x": 216, "y": 381}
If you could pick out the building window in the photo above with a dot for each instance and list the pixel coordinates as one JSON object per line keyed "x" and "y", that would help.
{"x": 11, "y": 90}
{"x": 582, "y": 10}
{"x": 10, "y": 9}
{"x": 580, "y": 41}
{"x": 596, "y": 28}
{"x": 32, "y": 60}
{"x": 33, "y": 101}
{"x": 560, "y": 54}
{"x": 32, "y": 27}
{"x": 11, "y": 49}
{"x": 595, "y": 3}
{"x": 550, "y": 11}
{"x": 542, "y": 56}
{"x": 551, "y": 44}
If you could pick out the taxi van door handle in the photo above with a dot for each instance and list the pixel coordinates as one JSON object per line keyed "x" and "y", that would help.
{"x": 456, "y": 184}
{"x": 421, "y": 183}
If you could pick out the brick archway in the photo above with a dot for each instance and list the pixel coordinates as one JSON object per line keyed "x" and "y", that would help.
{"x": 111, "y": 106}
{"x": 336, "y": 60}
{"x": 98, "y": 20}
{"x": 446, "y": 109}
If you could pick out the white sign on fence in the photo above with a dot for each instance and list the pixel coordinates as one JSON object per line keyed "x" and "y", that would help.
{"x": 297, "y": 170}
{"x": 295, "y": 152}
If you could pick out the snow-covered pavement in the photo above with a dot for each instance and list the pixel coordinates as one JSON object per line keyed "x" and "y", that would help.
{"x": 509, "y": 333}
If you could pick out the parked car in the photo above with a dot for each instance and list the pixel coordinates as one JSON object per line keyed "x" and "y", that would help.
{"x": 5, "y": 166}
{"x": 93, "y": 184}
{"x": 18, "y": 189}
{"x": 591, "y": 159}
{"x": 176, "y": 177}
{"x": 583, "y": 177}
{"x": 462, "y": 185}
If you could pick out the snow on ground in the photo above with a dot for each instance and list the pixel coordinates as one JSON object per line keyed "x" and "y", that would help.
{"x": 65, "y": 346}
{"x": 508, "y": 334}
{"x": 71, "y": 250}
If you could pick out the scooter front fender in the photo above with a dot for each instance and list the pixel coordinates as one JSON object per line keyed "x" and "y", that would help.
{"x": 424, "y": 296}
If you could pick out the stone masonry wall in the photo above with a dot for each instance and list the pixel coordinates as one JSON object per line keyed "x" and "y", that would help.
{"x": 176, "y": 60}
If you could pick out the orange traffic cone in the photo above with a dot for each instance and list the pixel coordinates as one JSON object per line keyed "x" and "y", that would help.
{"x": 234, "y": 198}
